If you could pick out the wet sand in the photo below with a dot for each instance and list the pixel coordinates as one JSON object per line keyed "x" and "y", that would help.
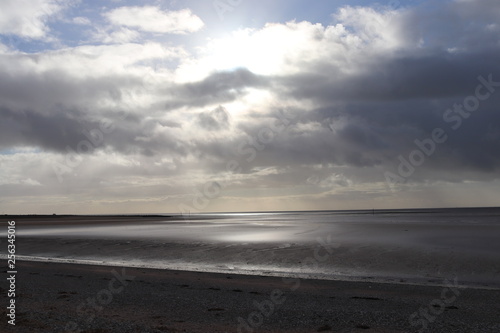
{"x": 67, "y": 298}
{"x": 386, "y": 248}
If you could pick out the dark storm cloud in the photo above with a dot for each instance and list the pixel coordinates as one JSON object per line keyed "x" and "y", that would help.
{"x": 73, "y": 130}
{"x": 440, "y": 75}
{"x": 219, "y": 82}
{"x": 218, "y": 87}
{"x": 367, "y": 135}
{"x": 364, "y": 135}
{"x": 393, "y": 100}
{"x": 53, "y": 124}
{"x": 29, "y": 128}
{"x": 374, "y": 135}
{"x": 215, "y": 119}
{"x": 46, "y": 91}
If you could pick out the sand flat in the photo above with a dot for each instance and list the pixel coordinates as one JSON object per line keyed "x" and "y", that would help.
{"x": 404, "y": 248}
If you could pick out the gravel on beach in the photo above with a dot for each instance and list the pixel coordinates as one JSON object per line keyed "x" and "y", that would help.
{"x": 54, "y": 297}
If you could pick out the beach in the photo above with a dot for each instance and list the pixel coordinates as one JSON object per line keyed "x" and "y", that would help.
{"x": 423, "y": 247}
{"x": 249, "y": 166}
{"x": 431, "y": 271}
{"x": 69, "y": 298}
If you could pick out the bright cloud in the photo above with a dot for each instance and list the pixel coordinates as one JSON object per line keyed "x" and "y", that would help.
{"x": 27, "y": 18}
{"x": 298, "y": 47}
{"x": 153, "y": 19}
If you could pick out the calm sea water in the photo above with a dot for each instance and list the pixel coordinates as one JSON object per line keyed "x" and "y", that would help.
{"x": 425, "y": 245}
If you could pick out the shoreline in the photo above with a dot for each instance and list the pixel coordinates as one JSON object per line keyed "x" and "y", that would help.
{"x": 407, "y": 249}
{"x": 55, "y": 297}
{"x": 352, "y": 262}
{"x": 340, "y": 278}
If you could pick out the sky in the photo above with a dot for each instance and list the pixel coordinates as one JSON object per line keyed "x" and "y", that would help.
{"x": 123, "y": 106}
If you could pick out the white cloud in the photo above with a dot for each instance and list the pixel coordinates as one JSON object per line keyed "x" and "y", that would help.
{"x": 153, "y": 19}
{"x": 380, "y": 29}
{"x": 359, "y": 35}
{"x": 94, "y": 60}
{"x": 273, "y": 50}
{"x": 3, "y": 48}
{"x": 117, "y": 36}
{"x": 92, "y": 77}
{"x": 27, "y": 18}
{"x": 81, "y": 20}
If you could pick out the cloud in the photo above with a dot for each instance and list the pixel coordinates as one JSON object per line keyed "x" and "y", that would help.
{"x": 153, "y": 19}
{"x": 95, "y": 78}
{"x": 119, "y": 35}
{"x": 355, "y": 94}
{"x": 28, "y": 18}
{"x": 214, "y": 120}
{"x": 218, "y": 87}
{"x": 381, "y": 30}
{"x": 81, "y": 20}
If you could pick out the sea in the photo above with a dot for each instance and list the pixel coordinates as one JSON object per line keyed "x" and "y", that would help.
{"x": 410, "y": 246}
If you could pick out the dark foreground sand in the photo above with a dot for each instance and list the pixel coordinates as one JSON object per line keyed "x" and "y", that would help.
{"x": 70, "y": 298}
